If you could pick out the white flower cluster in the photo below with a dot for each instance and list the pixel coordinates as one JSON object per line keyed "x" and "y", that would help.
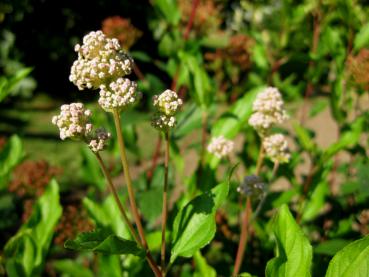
{"x": 73, "y": 121}
{"x": 118, "y": 95}
{"x": 220, "y": 146}
{"x": 100, "y": 59}
{"x": 99, "y": 140}
{"x": 276, "y": 148}
{"x": 268, "y": 110}
{"x": 167, "y": 104}
{"x": 163, "y": 122}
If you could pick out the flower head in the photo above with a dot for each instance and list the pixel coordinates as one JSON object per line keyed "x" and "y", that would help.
{"x": 268, "y": 110}
{"x": 73, "y": 121}
{"x": 100, "y": 59}
{"x": 163, "y": 122}
{"x": 220, "y": 146}
{"x": 99, "y": 140}
{"x": 276, "y": 148}
{"x": 168, "y": 102}
{"x": 118, "y": 95}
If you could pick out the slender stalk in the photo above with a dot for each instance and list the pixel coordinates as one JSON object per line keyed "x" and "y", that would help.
{"x": 149, "y": 258}
{"x": 204, "y": 123}
{"x": 154, "y": 159}
{"x": 132, "y": 201}
{"x": 262, "y": 201}
{"x": 259, "y": 163}
{"x": 116, "y": 198}
{"x": 245, "y": 220}
{"x": 186, "y": 34}
{"x": 243, "y": 238}
{"x": 165, "y": 203}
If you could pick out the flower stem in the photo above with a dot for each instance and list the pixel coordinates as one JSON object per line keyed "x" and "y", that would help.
{"x": 245, "y": 220}
{"x": 165, "y": 203}
{"x": 149, "y": 258}
{"x": 132, "y": 201}
{"x": 243, "y": 238}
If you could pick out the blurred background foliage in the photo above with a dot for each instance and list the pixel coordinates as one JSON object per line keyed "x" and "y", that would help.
{"x": 217, "y": 55}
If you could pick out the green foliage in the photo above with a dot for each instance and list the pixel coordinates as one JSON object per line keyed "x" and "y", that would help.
{"x": 194, "y": 225}
{"x": 105, "y": 242}
{"x": 202, "y": 267}
{"x": 26, "y": 251}
{"x": 352, "y": 260}
{"x": 7, "y": 85}
{"x": 10, "y": 156}
{"x": 72, "y": 268}
{"x": 294, "y": 250}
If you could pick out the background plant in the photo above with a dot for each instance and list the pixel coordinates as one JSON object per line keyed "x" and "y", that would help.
{"x": 312, "y": 51}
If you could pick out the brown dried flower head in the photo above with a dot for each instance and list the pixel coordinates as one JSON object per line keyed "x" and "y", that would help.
{"x": 74, "y": 220}
{"x": 122, "y": 29}
{"x": 207, "y": 17}
{"x": 358, "y": 67}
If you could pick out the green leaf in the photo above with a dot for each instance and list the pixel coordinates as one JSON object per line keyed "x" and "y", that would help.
{"x": 304, "y": 138}
{"x": 188, "y": 120}
{"x": 7, "y": 85}
{"x": 105, "y": 215}
{"x": 202, "y": 267}
{"x": 200, "y": 81}
{"x": 294, "y": 253}
{"x": 72, "y": 268}
{"x": 169, "y": 9}
{"x": 348, "y": 139}
{"x": 194, "y": 226}
{"x": 26, "y": 250}
{"x": 317, "y": 201}
{"x": 318, "y": 107}
{"x": 362, "y": 37}
{"x": 11, "y": 155}
{"x": 351, "y": 260}
{"x": 330, "y": 247}
{"x": 140, "y": 56}
{"x": 104, "y": 242}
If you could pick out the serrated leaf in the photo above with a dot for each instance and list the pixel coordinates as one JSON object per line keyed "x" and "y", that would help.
{"x": 194, "y": 225}
{"x": 352, "y": 260}
{"x": 294, "y": 253}
{"x": 104, "y": 242}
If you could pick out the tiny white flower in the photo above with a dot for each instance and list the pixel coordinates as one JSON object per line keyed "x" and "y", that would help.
{"x": 276, "y": 148}
{"x": 220, "y": 146}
